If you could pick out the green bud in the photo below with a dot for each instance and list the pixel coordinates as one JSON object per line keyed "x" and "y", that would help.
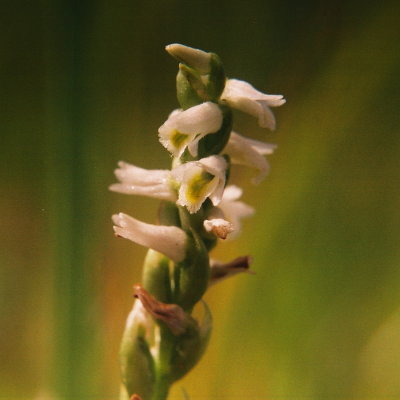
{"x": 216, "y": 78}
{"x": 186, "y": 94}
{"x": 215, "y": 143}
{"x": 201, "y": 75}
{"x": 191, "y": 345}
{"x": 137, "y": 365}
{"x": 156, "y": 275}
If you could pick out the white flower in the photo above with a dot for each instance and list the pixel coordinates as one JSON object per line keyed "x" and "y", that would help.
{"x": 244, "y": 97}
{"x": 231, "y": 209}
{"x": 195, "y": 58}
{"x": 168, "y": 240}
{"x": 249, "y": 152}
{"x": 185, "y": 128}
{"x": 199, "y": 180}
{"x": 140, "y": 181}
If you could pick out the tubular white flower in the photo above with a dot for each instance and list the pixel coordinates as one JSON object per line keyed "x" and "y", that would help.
{"x": 168, "y": 240}
{"x": 185, "y": 128}
{"x": 244, "y": 97}
{"x": 232, "y": 209}
{"x": 195, "y": 58}
{"x": 144, "y": 182}
{"x": 199, "y": 180}
{"x": 249, "y": 152}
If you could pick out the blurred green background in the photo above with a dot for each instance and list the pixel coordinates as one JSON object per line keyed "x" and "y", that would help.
{"x": 87, "y": 83}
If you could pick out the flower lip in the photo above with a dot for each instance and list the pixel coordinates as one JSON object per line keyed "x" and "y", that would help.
{"x": 199, "y": 180}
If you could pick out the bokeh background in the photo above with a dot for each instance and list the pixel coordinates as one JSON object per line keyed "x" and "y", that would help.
{"x": 87, "y": 83}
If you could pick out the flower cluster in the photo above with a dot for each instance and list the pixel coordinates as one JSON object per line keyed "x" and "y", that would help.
{"x": 162, "y": 341}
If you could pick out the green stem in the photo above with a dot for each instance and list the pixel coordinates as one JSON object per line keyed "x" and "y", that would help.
{"x": 161, "y": 388}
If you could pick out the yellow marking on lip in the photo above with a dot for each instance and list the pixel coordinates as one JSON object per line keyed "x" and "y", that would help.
{"x": 179, "y": 139}
{"x": 197, "y": 186}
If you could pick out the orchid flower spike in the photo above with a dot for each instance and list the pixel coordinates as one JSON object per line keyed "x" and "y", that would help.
{"x": 184, "y": 129}
{"x": 199, "y": 180}
{"x": 244, "y": 97}
{"x": 231, "y": 209}
{"x": 249, "y": 152}
{"x": 168, "y": 240}
{"x": 143, "y": 182}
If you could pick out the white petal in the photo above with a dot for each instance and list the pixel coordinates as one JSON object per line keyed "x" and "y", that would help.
{"x": 195, "y": 58}
{"x": 128, "y": 173}
{"x": 139, "y": 181}
{"x": 184, "y": 128}
{"x": 249, "y": 152}
{"x": 243, "y": 96}
{"x": 203, "y": 118}
{"x": 155, "y": 191}
{"x": 232, "y": 192}
{"x": 168, "y": 240}
{"x": 236, "y": 88}
{"x": 233, "y": 209}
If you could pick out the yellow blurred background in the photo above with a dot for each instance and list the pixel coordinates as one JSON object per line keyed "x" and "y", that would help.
{"x": 87, "y": 83}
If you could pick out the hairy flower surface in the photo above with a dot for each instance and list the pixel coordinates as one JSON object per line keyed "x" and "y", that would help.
{"x": 244, "y": 97}
{"x": 249, "y": 152}
{"x": 199, "y": 180}
{"x": 143, "y": 182}
{"x": 184, "y": 129}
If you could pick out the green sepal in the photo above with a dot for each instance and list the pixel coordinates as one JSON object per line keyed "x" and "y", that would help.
{"x": 191, "y": 346}
{"x": 216, "y": 78}
{"x": 186, "y": 94}
{"x": 214, "y": 143}
{"x": 136, "y": 361}
{"x": 194, "y": 88}
{"x": 156, "y": 276}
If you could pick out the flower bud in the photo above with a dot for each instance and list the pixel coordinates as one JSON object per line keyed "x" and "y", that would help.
{"x": 194, "y": 58}
{"x": 201, "y": 75}
{"x": 137, "y": 364}
{"x": 192, "y": 345}
{"x": 156, "y": 276}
